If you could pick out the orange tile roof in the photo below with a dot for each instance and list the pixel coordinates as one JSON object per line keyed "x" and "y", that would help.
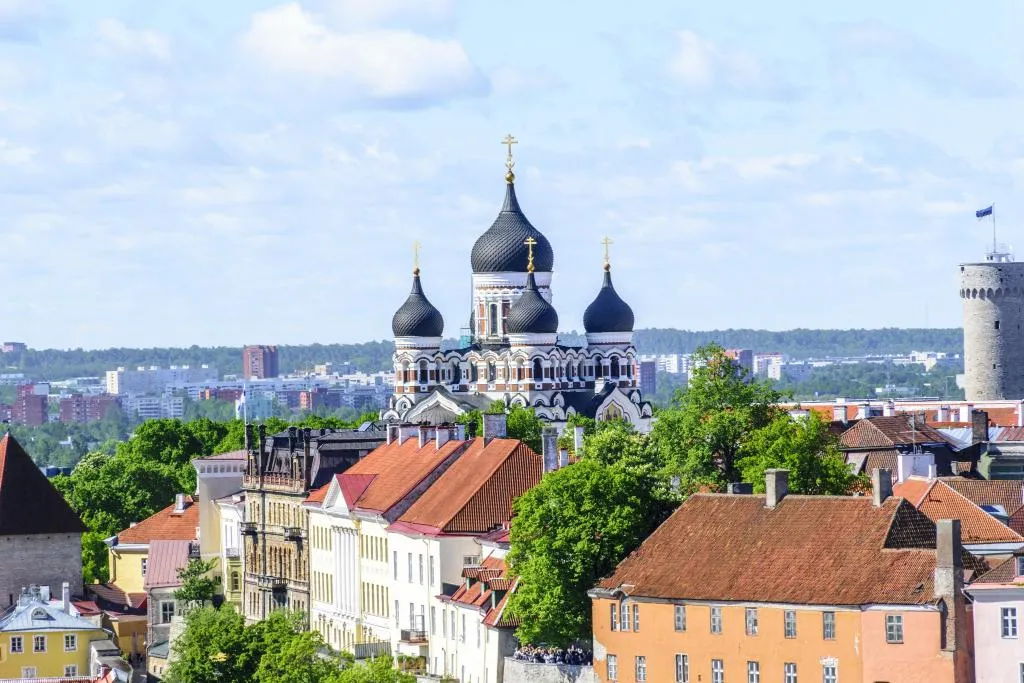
{"x": 1004, "y": 573}
{"x": 913, "y": 489}
{"x": 491, "y": 577}
{"x": 886, "y": 432}
{"x": 476, "y": 492}
{"x": 1008, "y": 493}
{"x": 316, "y": 496}
{"x": 807, "y": 550}
{"x": 397, "y": 469}
{"x": 940, "y": 501}
{"x": 166, "y": 525}
{"x": 29, "y": 504}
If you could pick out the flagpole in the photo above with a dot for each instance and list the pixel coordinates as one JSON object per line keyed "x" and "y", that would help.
{"x": 994, "y": 248}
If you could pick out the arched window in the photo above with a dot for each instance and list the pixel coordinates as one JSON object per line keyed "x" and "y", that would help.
{"x": 629, "y": 368}
{"x": 456, "y": 373}
{"x": 235, "y": 584}
{"x": 493, "y": 321}
{"x": 580, "y": 371}
{"x": 615, "y": 367}
{"x": 423, "y": 372}
{"x": 492, "y": 372}
{"x": 538, "y": 370}
{"x": 474, "y": 372}
{"x": 598, "y": 367}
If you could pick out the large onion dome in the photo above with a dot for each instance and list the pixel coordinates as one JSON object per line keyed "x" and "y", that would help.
{"x": 501, "y": 249}
{"x": 608, "y": 312}
{"x": 417, "y": 317}
{"x": 531, "y": 313}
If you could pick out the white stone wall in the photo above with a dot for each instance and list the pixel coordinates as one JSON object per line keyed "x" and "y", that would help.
{"x": 993, "y": 356}
{"x": 42, "y": 559}
{"x": 532, "y": 672}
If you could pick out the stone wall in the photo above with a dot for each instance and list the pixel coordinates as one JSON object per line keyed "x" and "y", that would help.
{"x": 993, "y": 297}
{"x": 517, "y": 671}
{"x": 41, "y": 559}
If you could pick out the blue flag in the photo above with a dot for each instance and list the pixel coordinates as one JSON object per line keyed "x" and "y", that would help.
{"x": 981, "y": 213}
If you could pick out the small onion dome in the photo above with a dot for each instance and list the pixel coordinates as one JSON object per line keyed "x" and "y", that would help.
{"x": 502, "y": 250}
{"x": 608, "y": 312}
{"x": 532, "y": 314}
{"x": 417, "y": 317}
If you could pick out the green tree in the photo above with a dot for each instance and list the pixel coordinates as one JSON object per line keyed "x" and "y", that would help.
{"x": 523, "y": 424}
{"x": 575, "y": 527}
{"x": 197, "y": 583}
{"x": 213, "y": 648}
{"x": 701, "y": 434}
{"x": 804, "y": 447}
{"x": 378, "y": 670}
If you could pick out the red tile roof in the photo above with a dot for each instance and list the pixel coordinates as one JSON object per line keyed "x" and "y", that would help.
{"x": 807, "y": 550}
{"x": 113, "y": 594}
{"x": 29, "y": 504}
{"x": 476, "y": 492}
{"x": 166, "y": 525}
{"x": 1009, "y": 493}
{"x": 316, "y": 496}
{"x": 166, "y": 558}
{"x": 913, "y": 489}
{"x": 396, "y": 469}
{"x": 886, "y": 432}
{"x": 1004, "y": 573}
{"x": 490, "y": 583}
{"x": 940, "y": 501}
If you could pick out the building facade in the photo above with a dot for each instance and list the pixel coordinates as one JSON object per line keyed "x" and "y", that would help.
{"x": 511, "y": 351}
{"x": 998, "y": 611}
{"x": 30, "y": 405}
{"x": 993, "y": 295}
{"x": 259, "y": 362}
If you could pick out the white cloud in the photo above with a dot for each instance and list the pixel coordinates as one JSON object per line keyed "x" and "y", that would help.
{"x": 117, "y": 38}
{"x": 15, "y": 154}
{"x": 700, "y": 64}
{"x": 379, "y": 64}
{"x": 373, "y": 13}
{"x": 510, "y": 81}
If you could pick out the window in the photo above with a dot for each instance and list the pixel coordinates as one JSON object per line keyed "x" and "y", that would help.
{"x": 433, "y": 620}
{"x": 410, "y": 567}
{"x": 1020, "y": 566}
{"x": 717, "y": 671}
{"x": 753, "y": 672}
{"x": 493, "y": 319}
{"x": 478, "y": 635}
{"x": 70, "y": 642}
{"x": 470, "y": 560}
{"x": 421, "y": 569}
{"x": 636, "y": 616}
{"x": 615, "y": 616}
{"x": 396, "y": 612}
{"x": 236, "y": 583}
{"x": 28, "y": 672}
{"x": 70, "y": 670}
{"x": 682, "y": 669}
{"x": 790, "y": 623}
{"x": 613, "y": 668}
{"x": 624, "y": 621}
{"x": 144, "y": 563}
{"x": 17, "y": 645}
{"x": 1008, "y": 617}
{"x": 412, "y": 617}
{"x": 38, "y": 643}
{"x": 894, "y": 628}
{"x": 680, "y": 617}
{"x": 431, "y": 570}
{"x": 166, "y": 611}
{"x": 453, "y": 623}
{"x": 828, "y": 625}
{"x": 829, "y": 673}
{"x": 1022, "y": 672}
{"x": 716, "y": 620}
{"x": 394, "y": 556}
{"x": 751, "y": 621}
{"x": 641, "y": 669}
{"x": 462, "y": 635}
{"x": 790, "y": 671}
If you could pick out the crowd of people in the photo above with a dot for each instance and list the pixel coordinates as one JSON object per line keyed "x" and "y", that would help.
{"x": 553, "y": 655}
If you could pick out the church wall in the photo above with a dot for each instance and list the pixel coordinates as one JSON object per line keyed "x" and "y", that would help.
{"x": 41, "y": 559}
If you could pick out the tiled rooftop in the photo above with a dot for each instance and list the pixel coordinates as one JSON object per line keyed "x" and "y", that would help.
{"x": 396, "y": 469}
{"x": 939, "y": 499}
{"x": 29, "y": 504}
{"x": 166, "y": 525}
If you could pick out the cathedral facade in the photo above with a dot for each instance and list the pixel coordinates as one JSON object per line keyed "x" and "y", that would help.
{"x": 513, "y": 353}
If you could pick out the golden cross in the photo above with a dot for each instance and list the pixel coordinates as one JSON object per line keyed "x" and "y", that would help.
{"x": 529, "y": 246}
{"x": 508, "y": 142}
{"x": 416, "y": 257}
{"x": 607, "y": 242}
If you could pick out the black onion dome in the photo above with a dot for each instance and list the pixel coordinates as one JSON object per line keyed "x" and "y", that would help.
{"x": 608, "y": 312}
{"x": 417, "y": 317}
{"x": 532, "y": 314}
{"x": 501, "y": 248}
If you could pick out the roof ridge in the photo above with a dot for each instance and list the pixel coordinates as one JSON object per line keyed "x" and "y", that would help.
{"x": 497, "y": 466}
{"x": 978, "y": 508}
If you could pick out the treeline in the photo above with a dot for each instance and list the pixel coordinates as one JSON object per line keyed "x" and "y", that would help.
{"x": 803, "y": 343}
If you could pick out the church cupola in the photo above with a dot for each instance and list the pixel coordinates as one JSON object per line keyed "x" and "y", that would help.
{"x": 417, "y": 317}
{"x": 532, "y": 320}
{"x": 501, "y": 249}
{"x": 608, "y": 319}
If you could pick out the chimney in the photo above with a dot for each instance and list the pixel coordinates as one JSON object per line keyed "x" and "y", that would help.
{"x": 933, "y": 471}
{"x": 44, "y": 593}
{"x": 839, "y": 411}
{"x": 889, "y": 409}
{"x": 949, "y": 577}
{"x": 426, "y": 433}
{"x": 248, "y": 438}
{"x": 979, "y": 426}
{"x": 495, "y": 426}
{"x": 577, "y": 441}
{"x": 549, "y": 448}
{"x": 863, "y": 411}
{"x": 65, "y": 592}
{"x": 443, "y": 434}
{"x": 942, "y": 414}
{"x": 179, "y": 502}
{"x": 739, "y": 489}
{"x": 776, "y": 486}
{"x": 460, "y": 432}
{"x": 965, "y": 412}
{"x": 881, "y": 486}
{"x": 405, "y": 432}
{"x": 392, "y": 433}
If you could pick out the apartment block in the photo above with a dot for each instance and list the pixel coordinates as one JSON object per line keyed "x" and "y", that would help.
{"x": 259, "y": 362}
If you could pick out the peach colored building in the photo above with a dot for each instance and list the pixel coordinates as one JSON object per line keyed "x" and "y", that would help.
{"x": 791, "y": 589}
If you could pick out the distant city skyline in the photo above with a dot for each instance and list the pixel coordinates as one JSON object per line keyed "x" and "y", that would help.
{"x": 256, "y": 172}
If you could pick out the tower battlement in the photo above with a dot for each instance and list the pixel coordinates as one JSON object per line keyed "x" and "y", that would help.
{"x": 993, "y": 298}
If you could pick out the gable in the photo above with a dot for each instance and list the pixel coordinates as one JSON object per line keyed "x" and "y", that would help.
{"x": 29, "y": 504}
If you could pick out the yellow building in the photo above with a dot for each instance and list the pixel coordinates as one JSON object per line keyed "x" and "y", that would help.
{"x": 44, "y": 638}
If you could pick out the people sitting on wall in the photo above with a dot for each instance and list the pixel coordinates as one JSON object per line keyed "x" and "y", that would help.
{"x": 573, "y": 656}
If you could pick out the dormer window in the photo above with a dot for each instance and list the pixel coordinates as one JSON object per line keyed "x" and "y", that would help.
{"x": 1020, "y": 565}
{"x": 39, "y": 613}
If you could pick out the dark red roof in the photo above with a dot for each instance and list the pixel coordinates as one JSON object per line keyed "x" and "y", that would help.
{"x": 166, "y": 525}
{"x": 29, "y": 504}
{"x": 886, "y": 432}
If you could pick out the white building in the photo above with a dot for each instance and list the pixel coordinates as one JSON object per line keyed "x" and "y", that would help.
{"x": 153, "y": 407}
{"x": 153, "y": 380}
{"x": 998, "y": 614}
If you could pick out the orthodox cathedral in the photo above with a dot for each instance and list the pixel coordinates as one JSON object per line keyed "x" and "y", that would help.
{"x": 512, "y": 352}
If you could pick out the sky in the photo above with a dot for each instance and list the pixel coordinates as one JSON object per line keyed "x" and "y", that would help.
{"x": 178, "y": 172}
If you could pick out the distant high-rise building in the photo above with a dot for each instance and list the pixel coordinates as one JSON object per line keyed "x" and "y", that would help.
{"x": 79, "y": 408}
{"x": 648, "y": 376}
{"x": 743, "y": 357}
{"x": 259, "y": 362}
{"x": 30, "y": 405}
{"x": 13, "y": 347}
{"x": 154, "y": 380}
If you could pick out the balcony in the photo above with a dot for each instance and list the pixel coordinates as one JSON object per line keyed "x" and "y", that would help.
{"x": 275, "y": 583}
{"x": 250, "y": 528}
{"x": 232, "y": 553}
{"x": 371, "y": 650}
{"x": 409, "y": 635}
{"x": 292, "y": 533}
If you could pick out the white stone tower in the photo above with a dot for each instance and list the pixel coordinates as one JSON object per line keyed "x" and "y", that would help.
{"x": 993, "y": 296}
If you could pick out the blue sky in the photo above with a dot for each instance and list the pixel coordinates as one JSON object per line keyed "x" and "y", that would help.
{"x": 191, "y": 172}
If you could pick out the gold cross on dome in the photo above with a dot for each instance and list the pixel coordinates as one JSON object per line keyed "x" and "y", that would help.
{"x": 416, "y": 258}
{"x": 509, "y": 161}
{"x": 607, "y": 242}
{"x": 530, "y": 242}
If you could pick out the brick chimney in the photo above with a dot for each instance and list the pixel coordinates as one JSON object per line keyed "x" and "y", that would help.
{"x": 776, "y": 486}
{"x": 881, "y": 486}
{"x": 949, "y": 584}
{"x": 495, "y": 426}
{"x": 979, "y": 426}
{"x": 549, "y": 448}
{"x": 839, "y": 411}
